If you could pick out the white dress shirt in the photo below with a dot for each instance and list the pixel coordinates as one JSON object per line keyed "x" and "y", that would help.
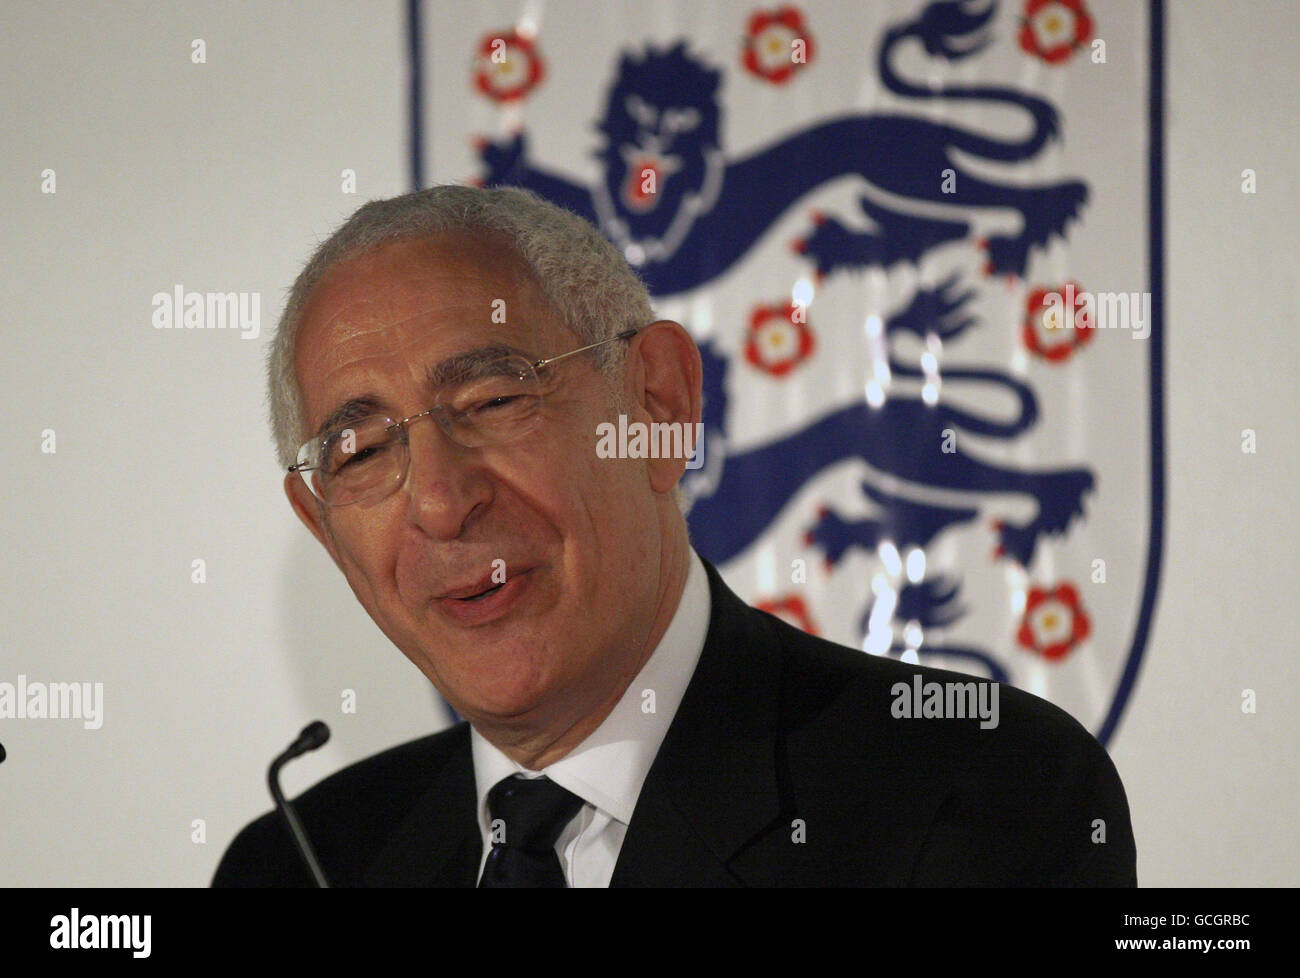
{"x": 608, "y": 769}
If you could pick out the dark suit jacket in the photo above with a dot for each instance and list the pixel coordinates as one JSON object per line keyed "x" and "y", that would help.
{"x": 784, "y": 766}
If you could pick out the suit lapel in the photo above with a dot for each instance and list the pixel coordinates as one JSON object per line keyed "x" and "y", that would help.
{"x": 438, "y": 842}
{"x": 716, "y": 788}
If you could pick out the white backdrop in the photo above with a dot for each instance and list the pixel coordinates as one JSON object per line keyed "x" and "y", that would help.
{"x": 221, "y": 176}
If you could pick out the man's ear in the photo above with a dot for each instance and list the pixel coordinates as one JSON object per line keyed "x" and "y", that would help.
{"x": 666, "y": 376}
{"x": 309, "y": 510}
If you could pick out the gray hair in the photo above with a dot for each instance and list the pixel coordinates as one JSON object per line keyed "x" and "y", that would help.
{"x": 580, "y": 273}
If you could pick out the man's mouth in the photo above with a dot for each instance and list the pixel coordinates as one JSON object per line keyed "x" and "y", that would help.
{"x": 483, "y": 594}
{"x": 487, "y": 599}
{"x": 490, "y": 581}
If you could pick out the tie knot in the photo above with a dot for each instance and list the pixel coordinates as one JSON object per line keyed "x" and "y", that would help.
{"x": 534, "y": 810}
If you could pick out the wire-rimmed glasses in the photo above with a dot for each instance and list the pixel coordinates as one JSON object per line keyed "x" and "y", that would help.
{"x": 492, "y": 401}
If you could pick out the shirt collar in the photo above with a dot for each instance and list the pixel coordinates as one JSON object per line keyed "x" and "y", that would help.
{"x": 608, "y": 769}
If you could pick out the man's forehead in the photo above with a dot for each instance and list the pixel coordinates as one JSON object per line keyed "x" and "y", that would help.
{"x": 426, "y": 305}
{"x": 418, "y": 324}
{"x": 364, "y": 343}
{"x": 455, "y": 271}
{"x": 433, "y": 333}
{"x": 471, "y": 282}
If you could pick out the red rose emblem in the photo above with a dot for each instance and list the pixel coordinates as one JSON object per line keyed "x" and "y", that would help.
{"x": 779, "y": 338}
{"x": 790, "y": 609}
{"x": 1057, "y": 322}
{"x": 776, "y": 45}
{"x": 1052, "y": 29}
{"x": 507, "y": 66}
{"x": 1054, "y": 622}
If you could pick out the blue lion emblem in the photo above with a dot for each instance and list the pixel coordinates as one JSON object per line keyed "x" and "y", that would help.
{"x": 662, "y": 117}
{"x": 735, "y": 497}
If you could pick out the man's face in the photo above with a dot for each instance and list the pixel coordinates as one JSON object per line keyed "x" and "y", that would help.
{"x": 578, "y": 534}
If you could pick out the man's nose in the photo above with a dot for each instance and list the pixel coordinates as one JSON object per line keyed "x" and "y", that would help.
{"x": 445, "y": 483}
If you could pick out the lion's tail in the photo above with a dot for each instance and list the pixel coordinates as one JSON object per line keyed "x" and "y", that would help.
{"x": 980, "y": 424}
{"x": 950, "y": 29}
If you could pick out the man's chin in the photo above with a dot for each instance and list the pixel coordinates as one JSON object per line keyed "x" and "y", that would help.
{"x": 491, "y": 682}
{"x": 502, "y": 709}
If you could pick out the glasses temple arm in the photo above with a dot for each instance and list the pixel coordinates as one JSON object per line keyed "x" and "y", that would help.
{"x": 626, "y": 334}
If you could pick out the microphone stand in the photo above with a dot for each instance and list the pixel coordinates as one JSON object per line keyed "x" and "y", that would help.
{"x": 313, "y": 735}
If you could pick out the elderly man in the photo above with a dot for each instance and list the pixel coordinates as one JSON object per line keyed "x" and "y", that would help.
{"x": 438, "y": 381}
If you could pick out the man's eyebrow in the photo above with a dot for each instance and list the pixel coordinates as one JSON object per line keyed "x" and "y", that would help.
{"x": 465, "y": 365}
{"x": 459, "y": 367}
{"x": 353, "y": 409}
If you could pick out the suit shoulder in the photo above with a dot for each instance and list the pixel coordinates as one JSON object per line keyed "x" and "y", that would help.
{"x": 859, "y": 684}
{"x": 344, "y": 814}
{"x": 1022, "y": 795}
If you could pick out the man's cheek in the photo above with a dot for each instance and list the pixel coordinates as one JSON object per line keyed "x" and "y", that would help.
{"x": 365, "y": 571}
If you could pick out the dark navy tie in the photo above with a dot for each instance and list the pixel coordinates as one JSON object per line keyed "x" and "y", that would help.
{"x": 534, "y": 812}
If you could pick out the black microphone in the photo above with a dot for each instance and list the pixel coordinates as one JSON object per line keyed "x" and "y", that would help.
{"x": 314, "y": 735}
